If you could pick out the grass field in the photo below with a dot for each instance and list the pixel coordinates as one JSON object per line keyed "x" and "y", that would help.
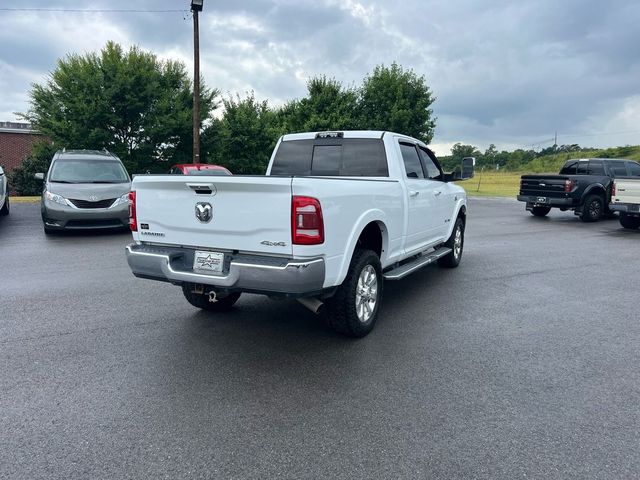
{"x": 24, "y": 199}
{"x": 493, "y": 184}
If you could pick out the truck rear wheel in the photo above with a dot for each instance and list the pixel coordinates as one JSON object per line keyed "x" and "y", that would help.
{"x": 222, "y": 303}
{"x": 353, "y": 309}
{"x": 627, "y": 221}
{"x": 540, "y": 211}
{"x": 592, "y": 209}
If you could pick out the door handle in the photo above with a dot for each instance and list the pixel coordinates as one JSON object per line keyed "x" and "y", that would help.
{"x": 437, "y": 192}
{"x": 414, "y": 193}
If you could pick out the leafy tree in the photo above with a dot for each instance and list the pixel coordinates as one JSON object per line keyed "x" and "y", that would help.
{"x": 242, "y": 140}
{"x": 130, "y": 102}
{"x": 397, "y": 100}
{"x": 328, "y": 106}
{"x": 21, "y": 178}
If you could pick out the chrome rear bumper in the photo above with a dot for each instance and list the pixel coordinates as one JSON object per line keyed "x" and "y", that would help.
{"x": 251, "y": 273}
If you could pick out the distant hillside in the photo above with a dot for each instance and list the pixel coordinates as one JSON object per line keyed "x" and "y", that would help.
{"x": 530, "y": 161}
{"x": 552, "y": 163}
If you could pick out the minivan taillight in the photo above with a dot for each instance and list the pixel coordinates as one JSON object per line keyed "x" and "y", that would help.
{"x": 307, "y": 226}
{"x": 133, "y": 217}
{"x": 568, "y": 185}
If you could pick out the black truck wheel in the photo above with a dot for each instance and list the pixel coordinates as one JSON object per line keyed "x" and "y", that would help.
{"x": 456, "y": 243}
{"x": 540, "y": 211}
{"x": 593, "y": 208}
{"x": 354, "y": 308}
{"x": 627, "y": 221}
{"x": 223, "y": 301}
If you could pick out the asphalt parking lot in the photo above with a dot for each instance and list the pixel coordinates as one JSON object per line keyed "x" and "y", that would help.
{"x": 522, "y": 363}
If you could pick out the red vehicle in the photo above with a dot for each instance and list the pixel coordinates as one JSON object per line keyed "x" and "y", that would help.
{"x": 199, "y": 169}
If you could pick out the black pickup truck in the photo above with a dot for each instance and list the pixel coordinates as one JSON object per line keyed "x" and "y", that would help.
{"x": 583, "y": 185}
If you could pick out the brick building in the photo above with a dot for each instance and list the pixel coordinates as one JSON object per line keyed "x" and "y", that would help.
{"x": 16, "y": 141}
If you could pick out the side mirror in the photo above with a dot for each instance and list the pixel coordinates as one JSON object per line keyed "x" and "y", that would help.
{"x": 38, "y": 176}
{"x": 467, "y": 168}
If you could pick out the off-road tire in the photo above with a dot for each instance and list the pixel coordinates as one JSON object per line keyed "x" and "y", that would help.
{"x": 4, "y": 211}
{"x": 452, "y": 260}
{"x": 341, "y": 312}
{"x": 223, "y": 302}
{"x": 627, "y": 221}
{"x": 592, "y": 208}
{"x": 540, "y": 211}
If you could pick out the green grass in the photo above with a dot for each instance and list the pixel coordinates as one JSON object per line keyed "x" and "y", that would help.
{"x": 493, "y": 184}
{"x": 24, "y": 199}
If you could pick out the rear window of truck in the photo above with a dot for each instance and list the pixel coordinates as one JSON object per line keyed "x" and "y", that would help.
{"x": 334, "y": 157}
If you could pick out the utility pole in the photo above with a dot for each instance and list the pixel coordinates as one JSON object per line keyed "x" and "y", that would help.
{"x": 555, "y": 139}
{"x": 196, "y": 7}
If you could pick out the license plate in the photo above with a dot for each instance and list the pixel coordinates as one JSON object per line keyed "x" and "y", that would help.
{"x": 208, "y": 262}
{"x": 541, "y": 200}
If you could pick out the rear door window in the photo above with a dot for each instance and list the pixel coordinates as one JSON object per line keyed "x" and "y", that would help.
{"x": 596, "y": 167}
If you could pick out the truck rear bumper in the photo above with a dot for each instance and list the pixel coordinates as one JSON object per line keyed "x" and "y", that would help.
{"x": 543, "y": 201}
{"x": 632, "y": 208}
{"x": 249, "y": 273}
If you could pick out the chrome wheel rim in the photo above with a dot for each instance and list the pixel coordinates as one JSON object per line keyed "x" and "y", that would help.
{"x": 457, "y": 242}
{"x": 366, "y": 293}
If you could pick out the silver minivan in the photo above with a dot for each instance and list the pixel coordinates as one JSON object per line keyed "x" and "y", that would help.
{"x": 85, "y": 189}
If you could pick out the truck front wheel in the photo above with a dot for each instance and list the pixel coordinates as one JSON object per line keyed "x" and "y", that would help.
{"x": 456, "y": 244}
{"x": 354, "y": 308}
{"x": 592, "y": 209}
{"x": 222, "y": 303}
{"x": 627, "y": 221}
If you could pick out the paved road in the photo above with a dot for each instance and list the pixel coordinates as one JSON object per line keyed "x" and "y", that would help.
{"x": 522, "y": 363}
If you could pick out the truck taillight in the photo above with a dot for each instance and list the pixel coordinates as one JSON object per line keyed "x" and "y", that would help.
{"x": 613, "y": 189}
{"x": 133, "y": 218}
{"x": 307, "y": 226}
{"x": 568, "y": 185}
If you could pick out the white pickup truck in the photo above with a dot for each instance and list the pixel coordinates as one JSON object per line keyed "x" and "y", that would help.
{"x": 625, "y": 198}
{"x": 336, "y": 214}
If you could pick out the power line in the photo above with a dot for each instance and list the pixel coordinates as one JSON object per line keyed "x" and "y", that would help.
{"x": 101, "y": 10}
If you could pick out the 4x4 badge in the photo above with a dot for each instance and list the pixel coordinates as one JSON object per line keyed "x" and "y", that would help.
{"x": 204, "y": 212}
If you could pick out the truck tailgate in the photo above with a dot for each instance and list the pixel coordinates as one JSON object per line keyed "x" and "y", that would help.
{"x": 249, "y": 214}
{"x": 627, "y": 190}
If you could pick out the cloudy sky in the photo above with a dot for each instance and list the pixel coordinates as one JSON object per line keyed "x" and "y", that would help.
{"x": 505, "y": 72}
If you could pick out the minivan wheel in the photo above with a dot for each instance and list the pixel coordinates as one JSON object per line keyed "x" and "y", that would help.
{"x": 353, "y": 309}
{"x": 223, "y": 301}
{"x": 6, "y": 207}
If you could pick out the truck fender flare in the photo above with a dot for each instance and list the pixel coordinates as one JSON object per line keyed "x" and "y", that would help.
{"x": 591, "y": 188}
{"x": 461, "y": 206}
{"x": 370, "y": 216}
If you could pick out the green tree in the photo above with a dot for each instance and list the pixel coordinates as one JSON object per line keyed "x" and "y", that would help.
{"x": 397, "y": 100}
{"x": 328, "y": 106}
{"x": 242, "y": 140}
{"x": 131, "y": 103}
{"x": 38, "y": 161}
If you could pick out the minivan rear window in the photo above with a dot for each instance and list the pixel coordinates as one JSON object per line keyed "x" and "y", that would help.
{"x": 336, "y": 157}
